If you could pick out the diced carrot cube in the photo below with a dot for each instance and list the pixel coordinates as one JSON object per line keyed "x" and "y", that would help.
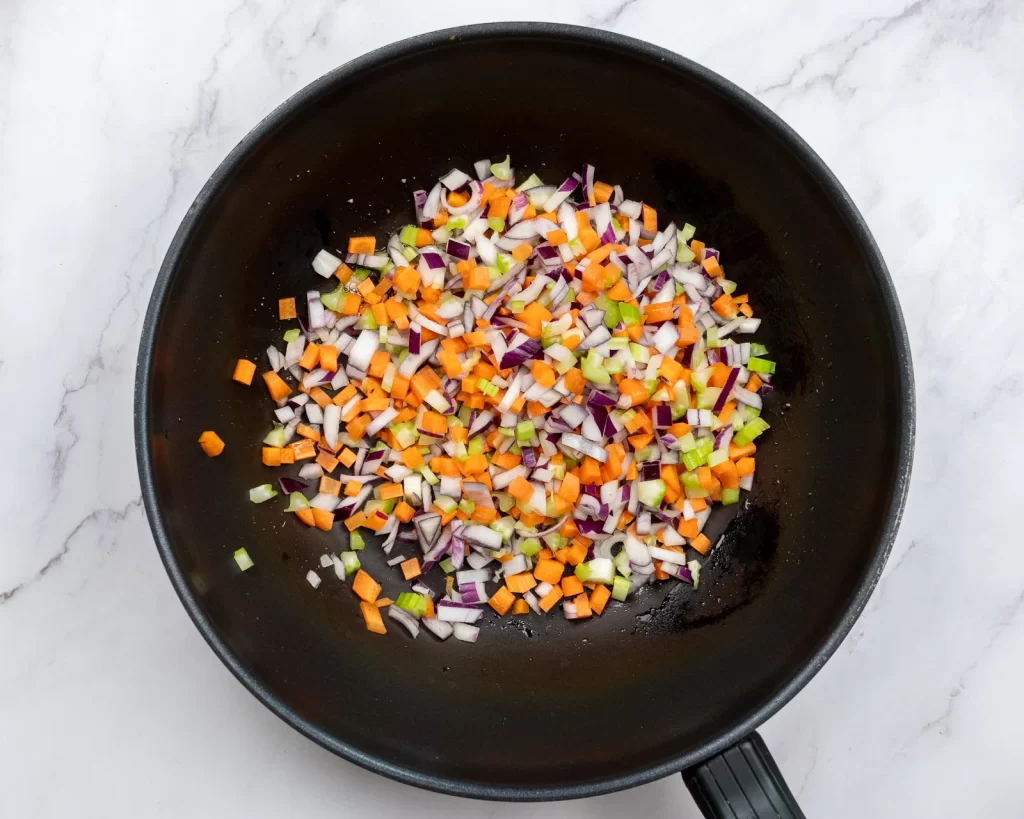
{"x": 501, "y": 601}
{"x": 286, "y": 309}
{"x": 211, "y": 443}
{"x": 371, "y": 614}
{"x": 365, "y": 587}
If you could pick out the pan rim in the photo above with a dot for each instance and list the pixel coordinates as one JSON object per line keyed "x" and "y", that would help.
{"x": 582, "y": 36}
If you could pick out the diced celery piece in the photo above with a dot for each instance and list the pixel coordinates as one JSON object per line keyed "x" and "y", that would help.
{"x": 651, "y": 493}
{"x": 598, "y": 570}
{"x": 408, "y": 234}
{"x": 445, "y": 504}
{"x": 620, "y": 589}
{"x": 243, "y": 560}
{"x": 356, "y": 542}
{"x": 750, "y": 431}
{"x": 761, "y": 365}
{"x": 730, "y": 496}
{"x": 612, "y": 314}
{"x": 415, "y": 604}
{"x": 593, "y": 370}
{"x": 504, "y": 526}
{"x": 350, "y": 560}
{"x": 502, "y": 170}
{"x": 530, "y": 546}
{"x": 525, "y": 430}
{"x": 699, "y": 380}
{"x": 533, "y": 181}
{"x": 641, "y": 353}
{"x": 717, "y": 457}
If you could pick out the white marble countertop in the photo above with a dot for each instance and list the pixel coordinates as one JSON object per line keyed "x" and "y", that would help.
{"x": 114, "y": 113}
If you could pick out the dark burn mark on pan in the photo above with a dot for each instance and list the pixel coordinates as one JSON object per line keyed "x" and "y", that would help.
{"x": 322, "y": 222}
{"x": 751, "y": 257}
{"x": 733, "y": 575}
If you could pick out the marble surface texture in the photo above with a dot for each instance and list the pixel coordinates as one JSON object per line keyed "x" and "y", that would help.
{"x": 113, "y": 113}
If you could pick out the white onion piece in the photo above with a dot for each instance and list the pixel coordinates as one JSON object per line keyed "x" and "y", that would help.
{"x": 585, "y": 447}
{"x": 362, "y": 351}
{"x": 332, "y": 424}
{"x": 326, "y": 264}
{"x": 465, "y": 632}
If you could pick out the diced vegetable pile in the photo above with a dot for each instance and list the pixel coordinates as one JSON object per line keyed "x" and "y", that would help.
{"x": 543, "y": 385}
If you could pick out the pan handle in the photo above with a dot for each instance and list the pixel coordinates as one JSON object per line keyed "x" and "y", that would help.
{"x": 742, "y": 782}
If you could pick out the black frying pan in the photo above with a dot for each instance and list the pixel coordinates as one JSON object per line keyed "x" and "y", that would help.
{"x": 539, "y": 708}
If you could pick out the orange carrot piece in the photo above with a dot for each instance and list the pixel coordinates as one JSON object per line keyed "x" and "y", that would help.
{"x": 713, "y": 268}
{"x": 323, "y": 519}
{"x": 742, "y": 451}
{"x": 571, "y": 585}
{"x": 599, "y": 598}
{"x": 570, "y": 488}
{"x": 548, "y": 601}
{"x": 574, "y": 381}
{"x": 310, "y": 356}
{"x": 306, "y": 516}
{"x": 557, "y": 237}
{"x": 655, "y": 313}
{"x": 650, "y": 219}
{"x": 724, "y": 305}
{"x": 303, "y": 450}
{"x": 321, "y": 398}
{"x": 365, "y": 587}
{"x": 522, "y": 252}
{"x": 354, "y": 522}
{"x": 701, "y": 544}
{"x": 276, "y": 386}
{"x": 410, "y": 568}
{"x": 548, "y": 571}
{"x": 407, "y": 279}
{"x": 520, "y": 583}
{"x": 412, "y": 458}
{"x": 521, "y": 489}
{"x": 327, "y": 462}
{"x": 329, "y": 358}
{"x": 688, "y": 528}
{"x": 364, "y": 245}
{"x": 329, "y": 486}
{"x": 745, "y": 466}
{"x": 286, "y": 309}
{"x": 520, "y": 607}
{"x": 603, "y": 192}
{"x": 371, "y": 614}
{"x": 404, "y": 512}
{"x": 501, "y": 601}
{"x": 211, "y": 443}
{"x": 543, "y": 374}
{"x": 244, "y": 371}
{"x": 582, "y": 602}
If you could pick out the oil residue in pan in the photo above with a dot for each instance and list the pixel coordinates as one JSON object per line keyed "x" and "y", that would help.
{"x": 734, "y": 573}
